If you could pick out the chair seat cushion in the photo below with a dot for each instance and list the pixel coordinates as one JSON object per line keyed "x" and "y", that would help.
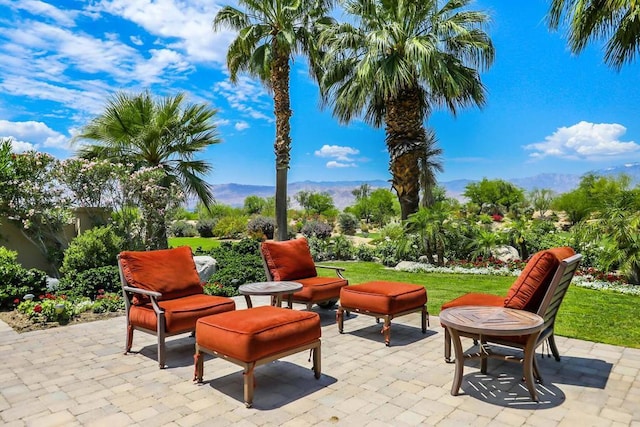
{"x": 475, "y": 299}
{"x": 319, "y": 288}
{"x": 383, "y": 297}
{"x": 255, "y": 333}
{"x": 180, "y": 314}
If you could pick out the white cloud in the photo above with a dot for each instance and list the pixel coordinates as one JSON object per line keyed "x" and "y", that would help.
{"x": 333, "y": 164}
{"x": 189, "y": 23}
{"x": 246, "y": 96}
{"x": 584, "y": 140}
{"x": 42, "y": 9}
{"x": 338, "y": 152}
{"x": 32, "y": 135}
{"x": 136, "y": 40}
{"x": 242, "y": 125}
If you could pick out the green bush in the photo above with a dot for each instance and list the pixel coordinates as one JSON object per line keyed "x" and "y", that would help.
{"x": 318, "y": 229}
{"x": 261, "y": 226}
{"x": 342, "y": 248}
{"x": 16, "y": 281}
{"x": 90, "y": 282}
{"x": 231, "y": 227}
{"x": 238, "y": 263}
{"x": 364, "y": 253}
{"x": 205, "y": 227}
{"x": 348, "y": 223}
{"x": 108, "y": 302}
{"x": 183, "y": 229}
{"x": 94, "y": 248}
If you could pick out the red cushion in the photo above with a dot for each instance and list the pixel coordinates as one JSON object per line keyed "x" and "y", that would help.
{"x": 256, "y": 333}
{"x": 319, "y": 288}
{"x": 383, "y": 297}
{"x": 475, "y": 299}
{"x": 172, "y": 272}
{"x": 289, "y": 260}
{"x": 180, "y": 314}
{"x": 528, "y": 290}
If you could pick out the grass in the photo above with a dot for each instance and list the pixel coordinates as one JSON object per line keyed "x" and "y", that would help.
{"x": 205, "y": 243}
{"x": 586, "y": 314}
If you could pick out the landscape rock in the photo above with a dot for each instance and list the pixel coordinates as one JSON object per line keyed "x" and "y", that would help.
{"x": 206, "y": 266}
{"x": 505, "y": 253}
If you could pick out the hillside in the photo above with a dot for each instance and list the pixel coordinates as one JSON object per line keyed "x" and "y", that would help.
{"x": 234, "y": 194}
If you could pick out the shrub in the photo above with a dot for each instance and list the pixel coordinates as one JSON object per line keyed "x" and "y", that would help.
{"x": 342, "y": 248}
{"x": 319, "y": 248}
{"x": 317, "y": 229}
{"x": 90, "y": 282}
{"x": 94, "y": 248}
{"x": 348, "y": 223}
{"x": 261, "y": 226}
{"x": 205, "y": 227}
{"x": 183, "y": 229}
{"x": 230, "y": 227}
{"x": 364, "y": 253}
{"x": 108, "y": 302}
{"x": 238, "y": 263}
{"x": 16, "y": 281}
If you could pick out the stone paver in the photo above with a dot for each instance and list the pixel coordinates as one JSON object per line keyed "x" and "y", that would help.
{"x": 77, "y": 375}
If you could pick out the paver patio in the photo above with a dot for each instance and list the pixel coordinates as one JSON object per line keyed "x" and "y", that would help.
{"x": 77, "y": 375}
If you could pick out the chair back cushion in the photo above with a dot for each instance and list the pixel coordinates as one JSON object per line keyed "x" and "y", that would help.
{"x": 172, "y": 272}
{"x": 289, "y": 260}
{"x": 528, "y": 290}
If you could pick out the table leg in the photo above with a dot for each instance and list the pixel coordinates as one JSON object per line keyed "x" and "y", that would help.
{"x": 457, "y": 347}
{"x": 247, "y": 298}
{"x": 529, "y": 354}
{"x": 290, "y": 301}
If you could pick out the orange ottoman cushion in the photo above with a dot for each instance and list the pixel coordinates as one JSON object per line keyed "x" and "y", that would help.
{"x": 255, "y": 333}
{"x": 383, "y": 297}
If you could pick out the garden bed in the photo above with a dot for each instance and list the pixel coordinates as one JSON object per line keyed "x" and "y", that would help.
{"x": 21, "y": 323}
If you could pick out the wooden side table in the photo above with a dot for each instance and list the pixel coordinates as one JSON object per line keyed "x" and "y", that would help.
{"x": 275, "y": 289}
{"x": 493, "y": 321}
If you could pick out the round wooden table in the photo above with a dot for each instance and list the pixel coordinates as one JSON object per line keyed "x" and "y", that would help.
{"x": 275, "y": 289}
{"x": 492, "y": 321}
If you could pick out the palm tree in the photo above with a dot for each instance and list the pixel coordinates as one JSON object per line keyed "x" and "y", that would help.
{"x": 271, "y": 33}
{"x": 617, "y": 21}
{"x": 163, "y": 133}
{"x": 429, "y": 162}
{"x": 400, "y": 60}
{"x": 430, "y": 224}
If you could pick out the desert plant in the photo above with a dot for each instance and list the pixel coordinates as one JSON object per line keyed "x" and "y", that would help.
{"x": 342, "y": 248}
{"x": 317, "y": 229}
{"x": 205, "y": 227}
{"x": 348, "y": 223}
{"x": 230, "y": 227}
{"x": 261, "y": 226}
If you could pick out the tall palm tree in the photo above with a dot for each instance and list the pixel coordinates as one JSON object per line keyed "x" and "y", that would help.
{"x": 617, "y": 21}
{"x": 270, "y": 34}
{"x": 399, "y": 61}
{"x": 148, "y": 132}
{"x": 429, "y": 163}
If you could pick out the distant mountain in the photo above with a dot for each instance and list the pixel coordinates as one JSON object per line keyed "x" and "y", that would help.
{"x": 234, "y": 194}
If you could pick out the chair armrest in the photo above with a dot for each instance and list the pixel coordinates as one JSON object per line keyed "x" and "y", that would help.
{"x": 338, "y": 270}
{"x": 142, "y": 291}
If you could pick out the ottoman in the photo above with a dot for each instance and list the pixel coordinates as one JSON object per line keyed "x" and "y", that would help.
{"x": 256, "y": 336}
{"x": 383, "y": 300}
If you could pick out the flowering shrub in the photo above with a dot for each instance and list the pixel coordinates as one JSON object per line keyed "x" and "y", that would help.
{"x": 497, "y": 217}
{"x": 108, "y": 302}
{"x": 47, "y": 308}
{"x": 16, "y": 281}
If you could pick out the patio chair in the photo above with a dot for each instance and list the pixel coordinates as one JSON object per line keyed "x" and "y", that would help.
{"x": 163, "y": 294}
{"x": 540, "y": 289}
{"x": 291, "y": 260}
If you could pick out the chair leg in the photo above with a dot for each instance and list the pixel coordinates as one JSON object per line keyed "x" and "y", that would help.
{"x": 249, "y": 384}
{"x": 552, "y": 345}
{"x": 386, "y": 330}
{"x": 199, "y": 365}
{"x": 316, "y": 362}
{"x": 129, "y": 340}
{"x": 447, "y": 346}
{"x": 161, "y": 339}
{"x": 340, "y": 319}
{"x": 425, "y": 321}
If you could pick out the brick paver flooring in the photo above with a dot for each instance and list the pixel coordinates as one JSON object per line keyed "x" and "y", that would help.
{"x": 77, "y": 375}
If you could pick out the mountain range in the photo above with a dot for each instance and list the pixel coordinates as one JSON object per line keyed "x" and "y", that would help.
{"x": 234, "y": 194}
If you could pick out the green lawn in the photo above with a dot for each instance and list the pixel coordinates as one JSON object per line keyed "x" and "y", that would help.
{"x": 586, "y": 314}
{"x": 205, "y": 243}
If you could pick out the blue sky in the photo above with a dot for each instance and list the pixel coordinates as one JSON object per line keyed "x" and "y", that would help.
{"x": 547, "y": 111}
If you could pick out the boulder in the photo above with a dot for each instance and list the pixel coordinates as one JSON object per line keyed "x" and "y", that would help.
{"x": 206, "y": 266}
{"x": 505, "y": 253}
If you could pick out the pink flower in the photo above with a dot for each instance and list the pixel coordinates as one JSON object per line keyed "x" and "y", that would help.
{"x": 16, "y": 301}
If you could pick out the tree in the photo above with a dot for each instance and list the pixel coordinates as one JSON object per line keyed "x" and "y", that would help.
{"x": 430, "y": 226}
{"x": 494, "y": 194}
{"x": 315, "y": 203}
{"x": 271, "y": 32}
{"x": 381, "y": 206}
{"x": 361, "y": 192}
{"x": 588, "y": 20}
{"x": 429, "y": 163}
{"x": 541, "y": 199}
{"x": 399, "y": 61}
{"x": 163, "y": 134}
{"x": 254, "y": 204}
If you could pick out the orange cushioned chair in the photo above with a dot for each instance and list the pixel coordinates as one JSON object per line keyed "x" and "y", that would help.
{"x": 526, "y": 293}
{"x": 291, "y": 261}
{"x": 163, "y": 294}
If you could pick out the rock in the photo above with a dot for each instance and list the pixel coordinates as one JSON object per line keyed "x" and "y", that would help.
{"x": 505, "y": 253}
{"x": 424, "y": 259}
{"x": 206, "y": 266}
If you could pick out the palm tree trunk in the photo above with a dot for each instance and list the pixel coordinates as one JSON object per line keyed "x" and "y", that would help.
{"x": 405, "y": 141}
{"x": 282, "y": 146}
